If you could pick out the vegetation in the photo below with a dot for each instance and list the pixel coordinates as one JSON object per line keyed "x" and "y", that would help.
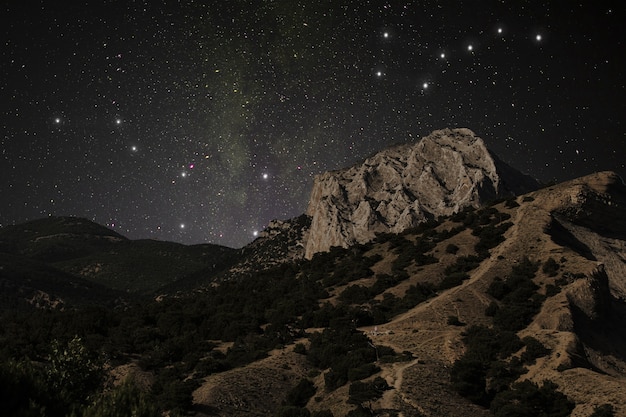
{"x": 52, "y": 363}
{"x": 487, "y": 371}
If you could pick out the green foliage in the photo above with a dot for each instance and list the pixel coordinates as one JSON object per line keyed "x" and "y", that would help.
{"x": 123, "y": 401}
{"x": 527, "y": 399}
{"x": 74, "y": 372}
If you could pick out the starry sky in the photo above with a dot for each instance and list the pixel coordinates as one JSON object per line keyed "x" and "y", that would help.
{"x": 201, "y": 121}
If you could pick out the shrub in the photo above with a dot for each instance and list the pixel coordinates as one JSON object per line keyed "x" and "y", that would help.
{"x": 605, "y": 410}
{"x": 550, "y": 267}
{"x": 300, "y": 394}
{"x": 452, "y": 248}
{"x": 453, "y": 280}
{"x": 124, "y": 400}
{"x": 534, "y": 349}
{"x": 528, "y": 399}
{"x": 492, "y": 309}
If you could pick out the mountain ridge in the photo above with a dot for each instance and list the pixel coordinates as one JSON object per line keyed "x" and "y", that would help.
{"x": 384, "y": 326}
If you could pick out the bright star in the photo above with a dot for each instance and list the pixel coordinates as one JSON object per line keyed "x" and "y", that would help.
{"x": 255, "y": 233}
{"x": 500, "y": 30}
{"x": 470, "y": 48}
{"x": 265, "y": 176}
{"x": 182, "y": 225}
{"x": 133, "y": 148}
{"x": 538, "y": 37}
{"x": 386, "y": 35}
{"x": 425, "y": 86}
{"x": 183, "y": 174}
{"x": 442, "y": 55}
{"x": 57, "y": 120}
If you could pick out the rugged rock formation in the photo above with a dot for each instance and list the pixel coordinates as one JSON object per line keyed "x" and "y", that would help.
{"x": 403, "y": 186}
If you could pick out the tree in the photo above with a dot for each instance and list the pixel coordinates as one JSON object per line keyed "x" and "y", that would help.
{"x": 366, "y": 392}
{"x": 527, "y": 399}
{"x": 73, "y": 372}
{"x": 123, "y": 401}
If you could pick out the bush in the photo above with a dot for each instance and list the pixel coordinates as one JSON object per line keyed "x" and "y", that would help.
{"x": 453, "y": 280}
{"x": 528, "y": 399}
{"x": 550, "y": 267}
{"x": 452, "y": 248}
{"x": 605, "y": 410}
{"x": 300, "y": 394}
{"x": 124, "y": 400}
{"x": 534, "y": 349}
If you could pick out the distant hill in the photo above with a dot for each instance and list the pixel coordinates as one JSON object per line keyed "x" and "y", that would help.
{"x": 58, "y": 257}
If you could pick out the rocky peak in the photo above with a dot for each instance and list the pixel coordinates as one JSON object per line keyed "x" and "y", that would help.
{"x": 402, "y": 186}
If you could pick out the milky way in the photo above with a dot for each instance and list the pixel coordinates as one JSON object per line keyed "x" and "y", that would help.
{"x": 202, "y": 121}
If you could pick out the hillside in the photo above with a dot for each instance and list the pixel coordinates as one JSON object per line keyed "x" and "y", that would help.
{"x": 77, "y": 261}
{"x": 448, "y": 318}
{"x": 576, "y": 351}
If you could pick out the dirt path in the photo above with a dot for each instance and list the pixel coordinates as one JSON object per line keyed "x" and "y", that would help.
{"x": 394, "y": 377}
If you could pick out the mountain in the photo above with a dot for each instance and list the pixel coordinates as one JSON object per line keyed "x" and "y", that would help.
{"x": 400, "y": 187}
{"x": 548, "y": 266}
{"x": 492, "y": 306}
{"x": 75, "y": 260}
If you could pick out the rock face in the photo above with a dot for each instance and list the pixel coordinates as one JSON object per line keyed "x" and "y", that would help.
{"x": 400, "y": 187}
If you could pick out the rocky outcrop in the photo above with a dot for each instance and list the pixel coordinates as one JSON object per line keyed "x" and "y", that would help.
{"x": 400, "y": 187}
{"x": 590, "y": 298}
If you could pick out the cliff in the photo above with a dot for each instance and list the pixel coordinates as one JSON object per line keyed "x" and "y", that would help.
{"x": 400, "y": 187}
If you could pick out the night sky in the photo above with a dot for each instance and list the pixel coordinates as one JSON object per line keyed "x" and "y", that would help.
{"x": 200, "y": 121}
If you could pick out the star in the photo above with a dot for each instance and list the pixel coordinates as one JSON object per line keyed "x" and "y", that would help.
{"x": 538, "y": 37}
{"x": 470, "y": 47}
{"x": 134, "y": 148}
{"x": 265, "y": 175}
{"x": 182, "y": 226}
{"x": 425, "y": 86}
{"x": 118, "y": 121}
{"x": 57, "y": 120}
{"x": 386, "y": 35}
